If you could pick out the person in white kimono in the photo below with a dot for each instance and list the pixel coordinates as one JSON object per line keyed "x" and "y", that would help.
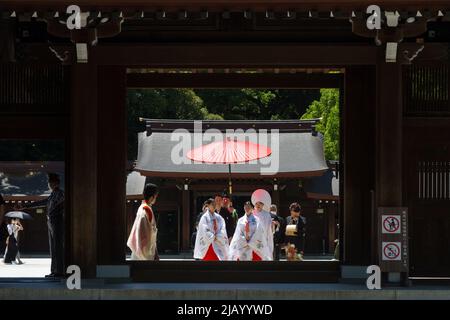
{"x": 262, "y": 200}
{"x": 142, "y": 239}
{"x": 249, "y": 240}
{"x": 211, "y": 243}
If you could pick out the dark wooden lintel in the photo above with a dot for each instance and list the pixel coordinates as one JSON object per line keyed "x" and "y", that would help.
{"x": 235, "y": 80}
{"x": 236, "y": 55}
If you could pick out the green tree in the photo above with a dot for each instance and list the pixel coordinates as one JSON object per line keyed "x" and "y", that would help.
{"x": 290, "y": 103}
{"x": 160, "y": 104}
{"x": 327, "y": 108}
{"x": 165, "y": 104}
{"x": 236, "y": 104}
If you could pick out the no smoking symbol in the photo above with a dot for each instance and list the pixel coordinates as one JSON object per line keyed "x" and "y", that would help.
{"x": 391, "y": 251}
{"x": 391, "y": 224}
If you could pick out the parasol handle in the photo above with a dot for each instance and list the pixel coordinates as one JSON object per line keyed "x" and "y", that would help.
{"x": 230, "y": 184}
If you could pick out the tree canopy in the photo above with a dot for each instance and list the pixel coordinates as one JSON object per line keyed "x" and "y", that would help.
{"x": 327, "y": 108}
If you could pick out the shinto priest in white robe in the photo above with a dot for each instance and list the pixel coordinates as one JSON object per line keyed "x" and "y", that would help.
{"x": 249, "y": 241}
{"x": 211, "y": 242}
{"x": 142, "y": 239}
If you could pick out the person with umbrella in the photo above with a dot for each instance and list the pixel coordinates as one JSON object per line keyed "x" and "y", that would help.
{"x": 55, "y": 223}
{"x": 12, "y": 243}
{"x": 12, "y": 255}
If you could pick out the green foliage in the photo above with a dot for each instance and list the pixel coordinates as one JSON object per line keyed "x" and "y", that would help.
{"x": 165, "y": 104}
{"x": 327, "y": 108}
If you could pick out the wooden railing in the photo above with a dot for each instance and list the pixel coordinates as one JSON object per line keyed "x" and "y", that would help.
{"x": 433, "y": 180}
{"x": 33, "y": 88}
{"x": 426, "y": 90}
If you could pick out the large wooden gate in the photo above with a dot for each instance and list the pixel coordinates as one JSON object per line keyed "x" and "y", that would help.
{"x": 427, "y": 168}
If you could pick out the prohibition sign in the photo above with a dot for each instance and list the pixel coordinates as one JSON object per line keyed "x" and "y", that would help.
{"x": 391, "y": 251}
{"x": 391, "y": 224}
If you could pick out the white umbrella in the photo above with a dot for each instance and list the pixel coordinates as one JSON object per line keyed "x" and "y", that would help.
{"x": 19, "y": 215}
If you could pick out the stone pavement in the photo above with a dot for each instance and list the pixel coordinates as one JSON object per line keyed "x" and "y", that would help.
{"x": 32, "y": 268}
{"x": 26, "y": 282}
{"x": 99, "y": 290}
{"x": 39, "y": 266}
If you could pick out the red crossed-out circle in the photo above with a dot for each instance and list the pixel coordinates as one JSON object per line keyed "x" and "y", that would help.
{"x": 387, "y": 225}
{"x": 387, "y": 252}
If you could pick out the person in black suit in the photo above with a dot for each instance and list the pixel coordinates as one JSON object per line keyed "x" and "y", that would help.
{"x": 55, "y": 223}
{"x": 299, "y": 236}
{"x": 279, "y": 226}
{"x": 224, "y": 211}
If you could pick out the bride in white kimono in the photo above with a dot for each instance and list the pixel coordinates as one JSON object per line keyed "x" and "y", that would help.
{"x": 211, "y": 243}
{"x": 249, "y": 241}
{"x": 261, "y": 200}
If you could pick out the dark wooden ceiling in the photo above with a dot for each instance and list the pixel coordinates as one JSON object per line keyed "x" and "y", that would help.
{"x": 220, "y": 5}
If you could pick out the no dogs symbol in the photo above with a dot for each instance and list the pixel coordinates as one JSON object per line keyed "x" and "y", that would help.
{"x": 391, "y": 224}
{"x": 392, "y": 251}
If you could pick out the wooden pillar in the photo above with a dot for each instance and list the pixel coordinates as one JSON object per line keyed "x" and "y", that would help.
{"x": 331, "y": 226}
{"x": 112, "y": 158}
{"x": 186, "y": 221}
{"x": 358, "y": 121}
{"x": 389, "y": 134}
{"x": 83, "y": 168}
{"x": 389, "y": 150}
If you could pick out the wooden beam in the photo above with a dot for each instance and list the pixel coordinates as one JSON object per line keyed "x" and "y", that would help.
{"x": 389, "y": 134}
{"x": 231, "y": 5}
{"x": 432, "y": 52}
{"x": 83, "y": 169}
{"x": 200, "y": 175}
{"x": 232, "y": 272}
{"x": 236, "y": 80}
{"x": 168, "y": 125}
{"x": 233, "y": 55}
{"x": 247, "y": 187}
{"x": 358, "y": 164}
{"x": 33, "y": 127}
{"x": 112, "y": 160}
{"x": 21, "y": 166}
{"x": 185, "y": 220}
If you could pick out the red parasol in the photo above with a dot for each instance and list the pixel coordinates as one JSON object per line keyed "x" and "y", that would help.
{"x": 229, "y": 151}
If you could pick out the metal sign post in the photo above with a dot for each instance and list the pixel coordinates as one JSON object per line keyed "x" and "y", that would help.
{"x": 393, "y": 243}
